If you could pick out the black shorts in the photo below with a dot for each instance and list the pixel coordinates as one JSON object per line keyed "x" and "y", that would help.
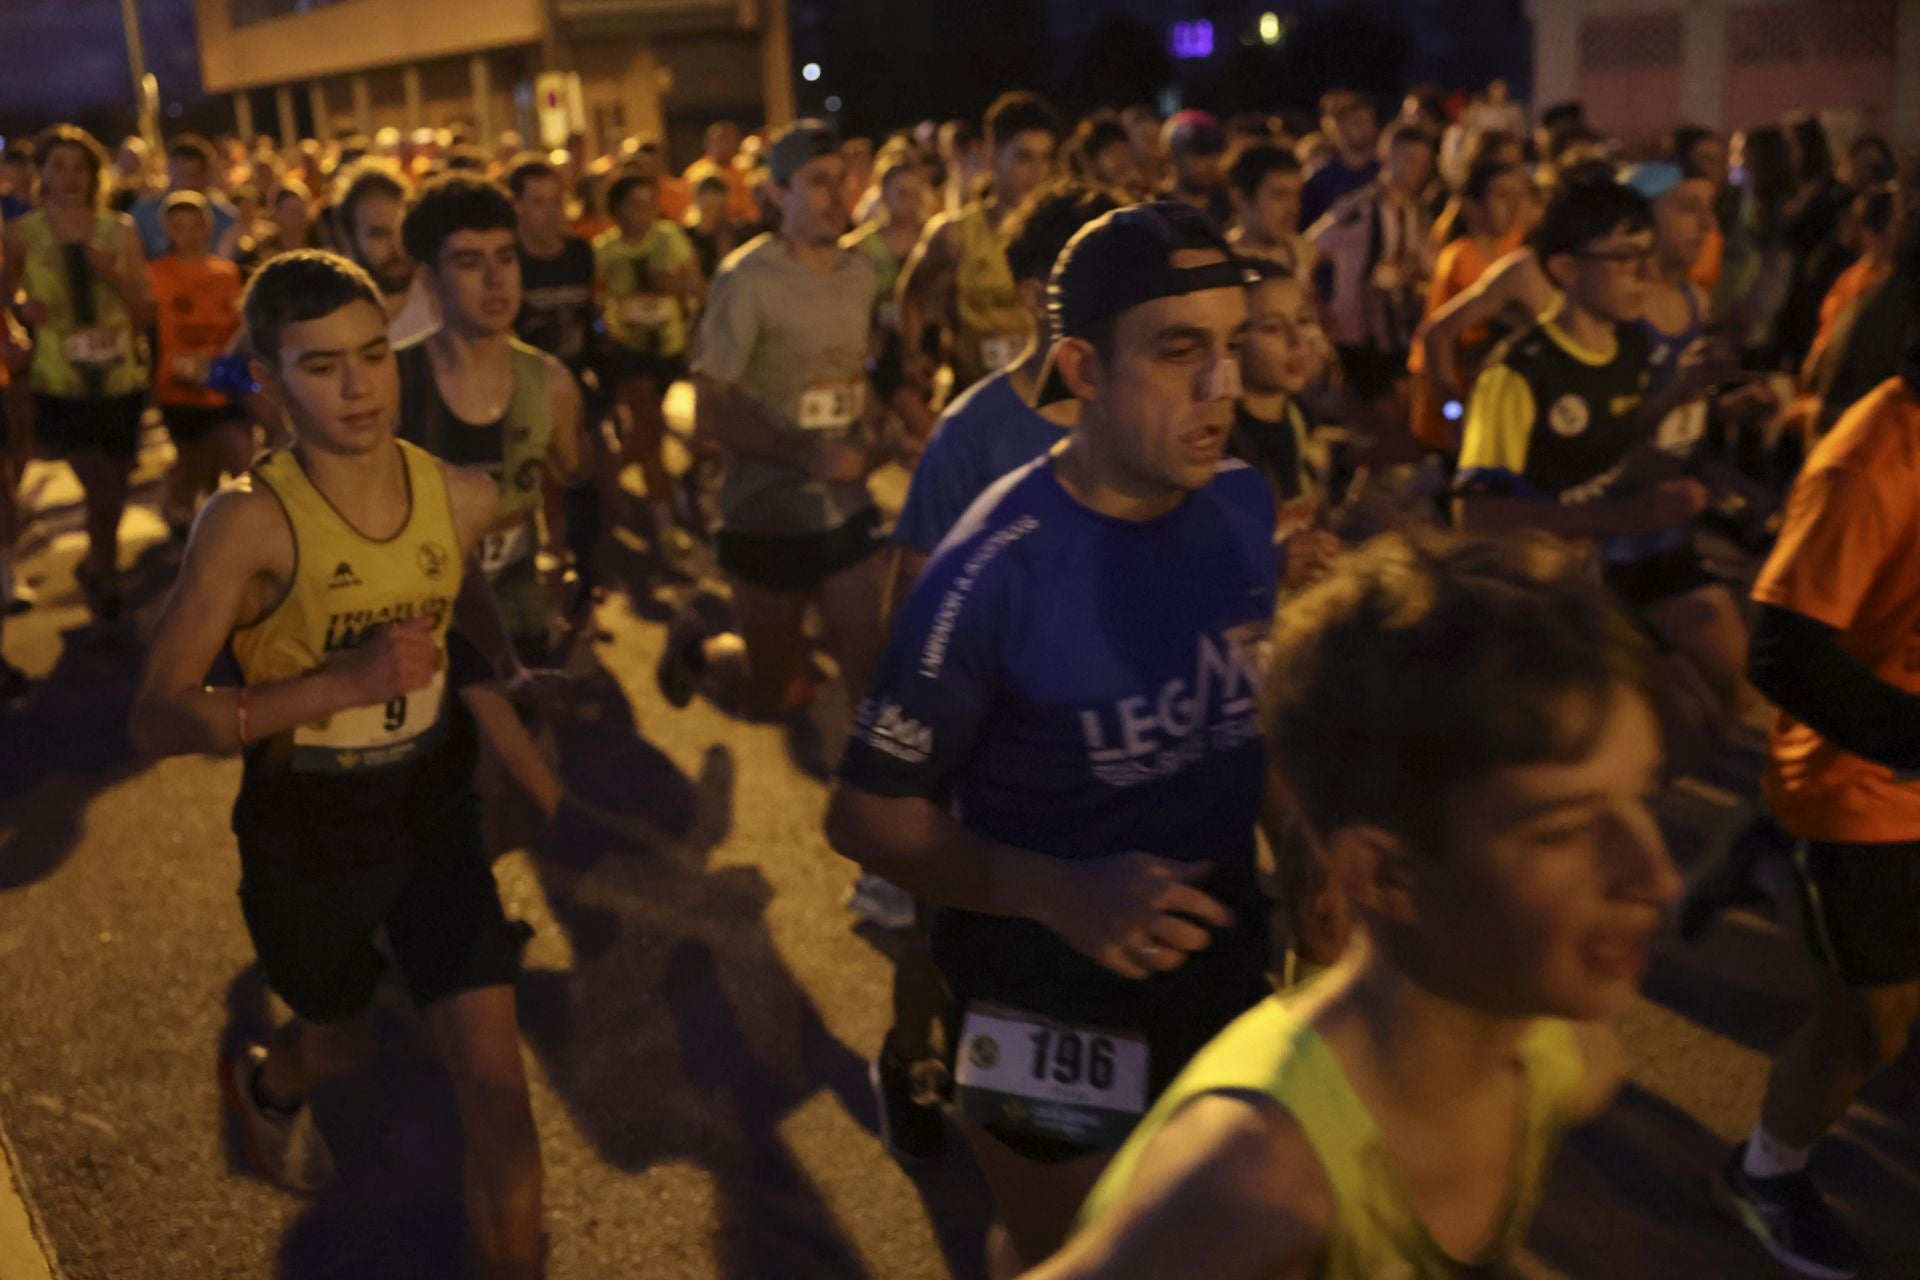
{"x": 799, "y": 562}
{"x": 66, "y": 425}
{"x": 1863, "y": 909}
{"x": 326, "y": 861}
{"x": 188, "y": 425}
{"x": 1372, "y": 373}
{"x": 619, "y": 363}
{"x": 1659, "y": 577}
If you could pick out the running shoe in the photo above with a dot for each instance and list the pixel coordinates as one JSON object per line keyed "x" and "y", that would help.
{"x": 676, "y": 673}
{"x": 880, "y": 903}
{"x": 909, "y": 1130}
{"x": 287, "y": 1151}
{"x": 1790, "y": 1219}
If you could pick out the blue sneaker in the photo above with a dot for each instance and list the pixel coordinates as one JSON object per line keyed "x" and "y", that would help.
{"x": 1789, "y": 1218}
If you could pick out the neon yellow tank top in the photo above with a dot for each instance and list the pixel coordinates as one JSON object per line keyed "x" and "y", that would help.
{"x": 87, "y": 348}
{"x": 1270, "y": 1050}
{"x": 345, "y": 586}
{"x": 992, "y": 324}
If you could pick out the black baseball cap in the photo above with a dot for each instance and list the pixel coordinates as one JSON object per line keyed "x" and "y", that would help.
{"x": 1124, "y": 259}
{"x": 801, "y": 141}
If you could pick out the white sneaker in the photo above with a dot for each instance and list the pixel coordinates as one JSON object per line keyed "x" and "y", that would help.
{"x": 287, "y": 1151}
{"x": 880, "y": 903}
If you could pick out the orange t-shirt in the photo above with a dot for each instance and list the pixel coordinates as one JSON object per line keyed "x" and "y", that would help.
{"x": 1854, "y": 283}
{"x": 1458, "y": 268}
{"x": 197, "y": 312}
{"x": 740, "y": 205}
{"x": 1848, "y": 556}
{"x": 1706, "y": 267}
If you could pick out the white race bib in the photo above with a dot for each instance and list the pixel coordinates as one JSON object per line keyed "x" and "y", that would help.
{"x": 831, "y": 406}
{"x": 362, "y": 738}
{"x": 1033, "y": 1075}
{"x": 97, "y": 346}
{"x": 503, "y": 548}
{"x": 999, "y": 350}
{"x": 192, "y": 371}
{"x": 887, "y": 314}
{"x": 1680, "y": 430}
{"x": 646, "y": 310}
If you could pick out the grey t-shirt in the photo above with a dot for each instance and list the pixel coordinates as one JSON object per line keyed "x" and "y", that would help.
{"x": 795, "y": 342}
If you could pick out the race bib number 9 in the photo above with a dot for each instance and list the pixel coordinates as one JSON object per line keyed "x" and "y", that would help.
{"x": 97, "y": 346}
{"x": 1033, "y": 1075}
{"x": 647, "y": 311}
{"x": 830, "y": 406}
{"x": 362, "y": 738}
{"x": 999, "y": 350}
{"x": 502, "y": 549}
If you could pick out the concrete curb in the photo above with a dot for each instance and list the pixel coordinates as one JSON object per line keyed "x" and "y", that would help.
{"x": 25, "y": 1253}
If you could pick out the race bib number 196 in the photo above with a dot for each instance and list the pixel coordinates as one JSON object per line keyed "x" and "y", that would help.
{"x": 830, "y": 406}
{"x": 1033, "y": 1075}
{"x": 97, "y": 346}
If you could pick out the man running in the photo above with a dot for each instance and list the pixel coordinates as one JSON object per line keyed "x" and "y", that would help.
{"x": 779, "y": 367}
{"x": 367, "y": 216}
{"x": 89, "y": 303}
{"x": 1062, "y": 748}
{"x": 957, "y": 281}
{"x": 1350, "y": 123}
{"x": 475, "y": 396}
{"x": 1264, "y": 183}
{"x": 333, "y": 576}
{"x": 1195, "y": 144}
{"x": 1833, "y": 649}
{"x": 190, "y": 167}
{"x": 1400, "y": 1116}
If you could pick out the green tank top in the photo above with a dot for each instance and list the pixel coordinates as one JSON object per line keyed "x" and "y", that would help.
{"x": 1271, "y": 1051}
{"x": 992, "y": 325}
{"x": 87, "y": 348}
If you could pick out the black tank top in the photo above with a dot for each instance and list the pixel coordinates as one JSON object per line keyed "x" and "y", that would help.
{"x": 556, "y": 302}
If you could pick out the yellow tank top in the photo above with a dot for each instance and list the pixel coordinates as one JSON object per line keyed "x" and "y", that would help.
{"x": 345, "y": 586}
{"x": 1375, "y": 1233}
{"x": 992, "y": 324}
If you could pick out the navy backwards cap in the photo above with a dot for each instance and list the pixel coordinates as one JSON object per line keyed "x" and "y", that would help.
{"x": 801, "y": 141}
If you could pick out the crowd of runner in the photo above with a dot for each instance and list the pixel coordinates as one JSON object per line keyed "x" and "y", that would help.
{"x": 1324, "y": 541}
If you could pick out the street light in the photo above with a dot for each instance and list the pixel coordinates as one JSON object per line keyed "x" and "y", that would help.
{"x": 810, "y": 72}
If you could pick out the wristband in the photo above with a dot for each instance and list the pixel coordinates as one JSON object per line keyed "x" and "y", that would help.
{"x": 241, "y": 707}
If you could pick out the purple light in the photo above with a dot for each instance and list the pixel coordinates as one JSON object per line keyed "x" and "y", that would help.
{"x": 1191, "y": 39}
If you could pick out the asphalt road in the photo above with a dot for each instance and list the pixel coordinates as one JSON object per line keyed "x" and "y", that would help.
{"x": 696, "y": 1014}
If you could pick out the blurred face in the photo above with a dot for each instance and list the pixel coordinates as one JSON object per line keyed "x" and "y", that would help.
{"x": 187, "y": 173}
{"x": 1410, "y": 167}
{"x": 188, "y": 232}
{"x": 1274, "y": 211}
{"x": 1201, "y": 174}
{"x": 637, "y": 211}
{"x": 290, "y": 215}
{"x": 1608, "y": 276}
{"x": 1554, "y": 880}
{"x": 1023, "y": 164}
{"x": 16, "y": 177}
{"x": 908, "y": 197}
{"x": 1505, "y": 202}
{"x": 1286, "y": 349}
{"x": 376, "y": 243}
{"x": 476, "y": 280}
{"x": 813, "y": 206}
{"x": 1357, "y": 129}
{"x": 338, "y": 379}
{"x": 1867, "y": 164}
{"x": 542, "y": 209}
{"x": 723, "y": 141}
{"x": 1710, "y": 158}
{"x": 1158, "y": 410}
{"x": 1113, "y": 166}
{"x": 713, "y": 208}
{"x": 1680, "y": 221}
{"x": 66, "y": 176}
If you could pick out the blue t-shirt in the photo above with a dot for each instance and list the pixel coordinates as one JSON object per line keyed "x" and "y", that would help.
{"x": 150, "y": 220}
{"x": 1081, "y": 686}
{"x": 981, "y": 436}
{"x": 1332, "y": 181}
{"x": 12, "y": 207}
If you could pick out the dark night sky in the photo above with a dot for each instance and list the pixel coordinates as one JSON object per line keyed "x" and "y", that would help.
{"x": 62, "y": 56}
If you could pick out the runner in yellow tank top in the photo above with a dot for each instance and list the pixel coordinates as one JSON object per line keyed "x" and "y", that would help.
{"x": 1397, "y": 1117}
{"x": 956, "y": 281}
{"x": 334, "y": 574}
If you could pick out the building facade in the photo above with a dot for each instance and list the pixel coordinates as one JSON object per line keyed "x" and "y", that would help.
{"x": 667, "y": 67}
{"x": 1641, "y": 66}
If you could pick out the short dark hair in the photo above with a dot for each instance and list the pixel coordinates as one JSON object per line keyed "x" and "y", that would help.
{"x": 1040, "y": 227}
{"x": 191, "y": 146}
{"x": 18, "y": 151}
{"x": 1429, "y": 658}
{"x": 72, "y": 135}
{"x": 1582, "y": 212}
{"x": 1481, "y": 176}
{"x": 626, "y": 185}
{"x": 1095, "y": 134}
{"x": 528, "y": 171}
{"x": 1562, "y": 114}
{"x": 1251, "y": 165}
{"x": 1016, "y": 112}
{"x": 363, "y": 183}
{"x": 1682, "y": 141}
{"x": 712, "y": 182}
{"x": 295, "y": 287}
{"x": 451, "y": 204}
{"x": 1403, "y": 133}
{"x": 1874, "y": 207}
